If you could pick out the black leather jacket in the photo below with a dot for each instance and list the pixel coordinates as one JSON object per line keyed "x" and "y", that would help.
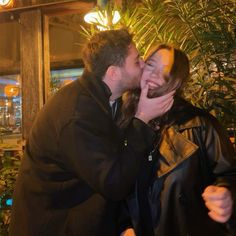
{"x": 193, "y": 153}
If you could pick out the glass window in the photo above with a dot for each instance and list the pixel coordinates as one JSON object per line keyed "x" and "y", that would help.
{"x": 10, "y": 85}
{"x": 60, "y": 78}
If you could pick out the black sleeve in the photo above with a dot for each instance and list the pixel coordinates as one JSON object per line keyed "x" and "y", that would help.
{"x": 95, "y": 153}
{"x": 124, "y": 219}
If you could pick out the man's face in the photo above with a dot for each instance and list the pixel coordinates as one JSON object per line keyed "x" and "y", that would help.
{"x": 132, "y": 69}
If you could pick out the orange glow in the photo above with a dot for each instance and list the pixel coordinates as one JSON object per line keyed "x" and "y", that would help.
{"x": 11, "y": 91}
{"x": 6, "y": 3}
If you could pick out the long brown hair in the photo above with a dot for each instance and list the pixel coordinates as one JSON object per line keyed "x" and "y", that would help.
{"x": 175, "y": 80}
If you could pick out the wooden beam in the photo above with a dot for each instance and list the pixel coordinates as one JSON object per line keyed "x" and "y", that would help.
{"x": 50, "y": 9}
{"x": 31, "y": 67}
{"x": 11, "y": 69}
{"x": 35, "y": 58}
{"x": 49, "y": 6}
{"x": 46, "y": 57}
{"x": 78, "y": 7}
{"x": 75, "y": 63}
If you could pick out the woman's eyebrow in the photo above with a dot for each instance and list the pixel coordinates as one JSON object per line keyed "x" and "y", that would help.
{"x": 151, "y": 60}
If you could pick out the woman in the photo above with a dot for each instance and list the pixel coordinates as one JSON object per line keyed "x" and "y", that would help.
{"x": 192, "y": 184}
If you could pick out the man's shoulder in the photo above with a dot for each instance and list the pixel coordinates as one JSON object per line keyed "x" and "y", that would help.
{"x": 67, "y": 95}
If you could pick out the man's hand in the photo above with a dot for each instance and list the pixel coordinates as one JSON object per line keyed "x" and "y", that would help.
{"x": 150, "y": 108}
{"x": 219, "y": 202}
{"x": 128, "y": 232}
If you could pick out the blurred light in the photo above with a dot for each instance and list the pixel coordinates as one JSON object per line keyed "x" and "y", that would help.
{"x": 101, "y": 16}
{"x": 6, "y": 3}
{"x": 98, "y": 17}
{"x": 9, "y": 202}
{"x": 11, "y": 90}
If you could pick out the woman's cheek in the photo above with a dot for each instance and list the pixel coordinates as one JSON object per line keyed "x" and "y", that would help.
{"x": 162, "y": 81}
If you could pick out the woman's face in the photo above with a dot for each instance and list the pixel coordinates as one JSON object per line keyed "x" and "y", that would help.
{"x": 156, "y": 67}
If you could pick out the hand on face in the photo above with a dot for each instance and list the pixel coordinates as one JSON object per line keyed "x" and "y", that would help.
{"x": 150, "y": 108}
{"x": 219, "y": 202}
{"x": 151, "y": 79}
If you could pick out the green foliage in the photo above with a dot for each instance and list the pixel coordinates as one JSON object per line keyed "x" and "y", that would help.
{"x": 205, "y": 30}
{"x": 8, "y": 173}
{"x": 54, "y": 85}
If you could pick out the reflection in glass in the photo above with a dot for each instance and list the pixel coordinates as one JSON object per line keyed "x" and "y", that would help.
{"x": 10, "y": 105}
{"x": 60, "y": 78}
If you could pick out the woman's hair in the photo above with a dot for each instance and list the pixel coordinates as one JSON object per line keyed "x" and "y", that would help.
{"x": 175, "y": 78}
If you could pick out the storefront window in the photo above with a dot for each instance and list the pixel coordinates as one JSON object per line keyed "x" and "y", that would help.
{"x": 10, "y": 85}
{"x": 10, "y": 105}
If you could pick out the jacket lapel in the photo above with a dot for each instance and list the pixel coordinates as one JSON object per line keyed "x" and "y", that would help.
{"x": 175, "y": 151}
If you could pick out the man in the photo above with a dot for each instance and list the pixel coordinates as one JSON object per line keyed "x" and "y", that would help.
{"x": 77, "y": 165}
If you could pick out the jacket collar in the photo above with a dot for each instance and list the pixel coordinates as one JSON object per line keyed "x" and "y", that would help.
{"x": 98, "y": 90}
{"x": 180, "y": 113}
{"x": 193, "y": 123}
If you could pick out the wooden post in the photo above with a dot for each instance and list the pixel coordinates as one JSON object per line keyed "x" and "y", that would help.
{"x": 35, "y": 55}
{"x": 46, "y": 57}
{"x": 31, "y": 67}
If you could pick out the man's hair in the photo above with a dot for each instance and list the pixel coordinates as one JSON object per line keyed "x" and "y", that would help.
{"x": 104, "y": 49}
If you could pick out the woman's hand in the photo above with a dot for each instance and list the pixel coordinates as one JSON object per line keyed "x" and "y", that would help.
{"x": 150, "y": 108}
{"x": 219, "y": 202}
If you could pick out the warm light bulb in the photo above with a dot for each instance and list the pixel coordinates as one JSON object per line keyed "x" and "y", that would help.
{"x": 101, "y": 18}
{"x": 94, "y": 17}
{"x": 116, "y": 17}
{"x": 5, "y": 3}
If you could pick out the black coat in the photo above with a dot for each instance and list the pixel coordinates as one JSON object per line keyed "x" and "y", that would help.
{"x": 77, "y": 166}
{"x": 194, "y": 153}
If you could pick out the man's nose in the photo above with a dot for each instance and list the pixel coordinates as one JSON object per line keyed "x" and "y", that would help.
{"x": 142, "y": 63}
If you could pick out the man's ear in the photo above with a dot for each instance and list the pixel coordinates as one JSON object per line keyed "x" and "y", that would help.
{"x": 113, "y": 72}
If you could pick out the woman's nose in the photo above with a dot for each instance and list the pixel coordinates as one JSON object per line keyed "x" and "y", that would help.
{"x": 156, "y": 72}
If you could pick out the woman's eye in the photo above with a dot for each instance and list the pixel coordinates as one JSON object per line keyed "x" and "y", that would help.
{"x": 150, "y": 64}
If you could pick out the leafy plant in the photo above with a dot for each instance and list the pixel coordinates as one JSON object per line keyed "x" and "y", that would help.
{"x": 8, "y": 173}
{"x": 206, "y": 31}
